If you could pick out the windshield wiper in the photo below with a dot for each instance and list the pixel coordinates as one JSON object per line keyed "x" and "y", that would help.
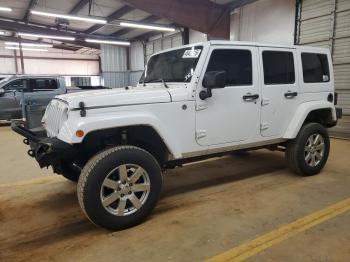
{"x": 157, "y": 80}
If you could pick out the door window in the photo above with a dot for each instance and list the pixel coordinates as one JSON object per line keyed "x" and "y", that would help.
{"x": 236, "y": 63}
{"x": 315, "y": 68}
{"x": 278, "y": 67}
{"x": 43, "y": 84}
{"x": 16, "y": 85}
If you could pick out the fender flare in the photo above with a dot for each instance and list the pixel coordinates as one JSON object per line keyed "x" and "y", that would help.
{"x": 302, "y": 112}
{"x": 118, "y": 119}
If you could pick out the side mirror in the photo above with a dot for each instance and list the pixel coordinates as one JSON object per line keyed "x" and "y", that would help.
{"x": 212, "y": 79}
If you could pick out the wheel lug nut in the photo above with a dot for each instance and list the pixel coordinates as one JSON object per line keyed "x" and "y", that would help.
{"x": 129, "y": 193}
{"x": 122, "y": 195}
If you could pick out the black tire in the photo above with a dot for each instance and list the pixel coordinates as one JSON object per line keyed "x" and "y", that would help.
{"x": 70, "y": 173}
{"x": 94, "y": 174}
{"x": 295, "y": 151}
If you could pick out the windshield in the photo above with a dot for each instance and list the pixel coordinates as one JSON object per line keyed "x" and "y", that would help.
{"x": 5, "y": 80}
{"x": 173, "y": 66}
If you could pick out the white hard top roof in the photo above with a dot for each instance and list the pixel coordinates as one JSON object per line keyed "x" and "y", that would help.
{"x": 227, "y": 42}
{"x": 243, "y": 43}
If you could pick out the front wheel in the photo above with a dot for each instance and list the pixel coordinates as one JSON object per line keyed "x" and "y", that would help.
{"x": 119, "y": 187}
{"x": 307, "y": 154}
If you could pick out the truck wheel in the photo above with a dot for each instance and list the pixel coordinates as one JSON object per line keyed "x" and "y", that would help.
{"x": 308, "y": 152}
{"x": 70, "y": 173}
{"x": 119, "y": 187}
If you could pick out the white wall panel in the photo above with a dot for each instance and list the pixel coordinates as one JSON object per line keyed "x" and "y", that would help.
{"x": 267, "y": 21}
{"x": 55, "y": 61}
{"x": 61, "y": 67}
{"x": 195, "y": 36}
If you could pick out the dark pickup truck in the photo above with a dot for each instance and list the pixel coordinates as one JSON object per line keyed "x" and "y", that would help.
{"x": 39, "y": 89}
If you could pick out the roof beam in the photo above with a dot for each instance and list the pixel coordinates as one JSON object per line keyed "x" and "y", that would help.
{"x": 31, "y": 6}
{"x": 80, "y": 5}
{"x": 114, "y": 16}
{"x": 146, "y": 36}
{"x": 148, "y": 19}
{"x": 201, "y": 15}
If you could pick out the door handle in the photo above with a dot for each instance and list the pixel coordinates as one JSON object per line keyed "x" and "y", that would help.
{"x": 290, "y": 95}
{"x": 250, "y": 98}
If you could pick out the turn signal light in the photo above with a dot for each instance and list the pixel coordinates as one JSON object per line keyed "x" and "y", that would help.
{"x": 79, "y": 133}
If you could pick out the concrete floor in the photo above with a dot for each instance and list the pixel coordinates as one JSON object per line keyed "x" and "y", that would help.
{"x": 206, "y": 209}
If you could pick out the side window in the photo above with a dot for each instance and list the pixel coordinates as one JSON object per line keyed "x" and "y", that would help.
{"x": 278, "y": 67}
{"x": 236, "y": 63}
{"x": 16, "y": 85}
{"x": 43, "y": 84}
{"x": 315, "y": 68}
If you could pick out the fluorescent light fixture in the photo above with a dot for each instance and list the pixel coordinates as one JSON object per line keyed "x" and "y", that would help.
{"x": 71, "y": 17}
{"x": 2, "y": 32}
{"x": 48, "y": 36}
{"x": 25, "y": 48}
{"x": 109, "y": 42}
{"x": 5, "y": 9}
{"x": 144, "y": 26}
{"x": 28, "y": 44}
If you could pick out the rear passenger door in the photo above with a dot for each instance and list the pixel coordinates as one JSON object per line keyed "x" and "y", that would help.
{"x": 280, "y": 90}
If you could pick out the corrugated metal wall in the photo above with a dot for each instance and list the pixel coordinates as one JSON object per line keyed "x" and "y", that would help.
{"x": 114, "y": 66}
{"x": 163, "y": 43}
{"x": 326, "y": 23}
{"x": 114, "y": 60}
{"x": 137, "y": 62}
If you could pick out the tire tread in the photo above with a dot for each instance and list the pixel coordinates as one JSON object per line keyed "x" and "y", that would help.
{"x": 91, "y": 164}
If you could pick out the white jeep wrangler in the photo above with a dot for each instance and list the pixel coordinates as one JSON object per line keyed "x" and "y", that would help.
{"x": 192, "y": 102}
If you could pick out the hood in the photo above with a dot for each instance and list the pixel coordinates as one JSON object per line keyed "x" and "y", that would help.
{"x": 117, "y": 97}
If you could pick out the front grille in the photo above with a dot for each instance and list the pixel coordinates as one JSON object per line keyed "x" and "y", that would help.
{"x": 55, "y": 115}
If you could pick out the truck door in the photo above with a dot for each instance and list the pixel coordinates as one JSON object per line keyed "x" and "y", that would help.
{"x": 44, "y": 89}
{"x": 10, "y": 107}
{"x": 232, "y": 113}
{"x": 280, "y": 90}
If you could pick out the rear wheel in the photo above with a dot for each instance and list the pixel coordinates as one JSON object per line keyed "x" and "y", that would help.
{"x": 307, "y": 154}
{"x": 119, "y": 187}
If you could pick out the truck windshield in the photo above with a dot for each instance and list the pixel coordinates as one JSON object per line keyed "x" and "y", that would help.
{"x": 173, "y": 66}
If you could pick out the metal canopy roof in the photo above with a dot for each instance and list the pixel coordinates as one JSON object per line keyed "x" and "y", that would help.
{"x": 20, "y": 19}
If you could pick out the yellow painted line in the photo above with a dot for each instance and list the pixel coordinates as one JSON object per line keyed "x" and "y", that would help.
{"x": 274, "y": 237}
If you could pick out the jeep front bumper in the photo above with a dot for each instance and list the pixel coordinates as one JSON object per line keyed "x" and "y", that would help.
{"x": 47, "y": 151}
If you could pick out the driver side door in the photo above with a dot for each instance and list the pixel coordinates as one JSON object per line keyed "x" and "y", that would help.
{"x": 231, "y": 115}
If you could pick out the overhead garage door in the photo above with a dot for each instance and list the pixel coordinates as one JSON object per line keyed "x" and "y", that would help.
{"x": 326, "y": 23}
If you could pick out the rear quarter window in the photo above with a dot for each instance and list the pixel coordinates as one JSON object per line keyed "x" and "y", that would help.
{"x": 315, "y": 67}
{"x": 43, "y": 84}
